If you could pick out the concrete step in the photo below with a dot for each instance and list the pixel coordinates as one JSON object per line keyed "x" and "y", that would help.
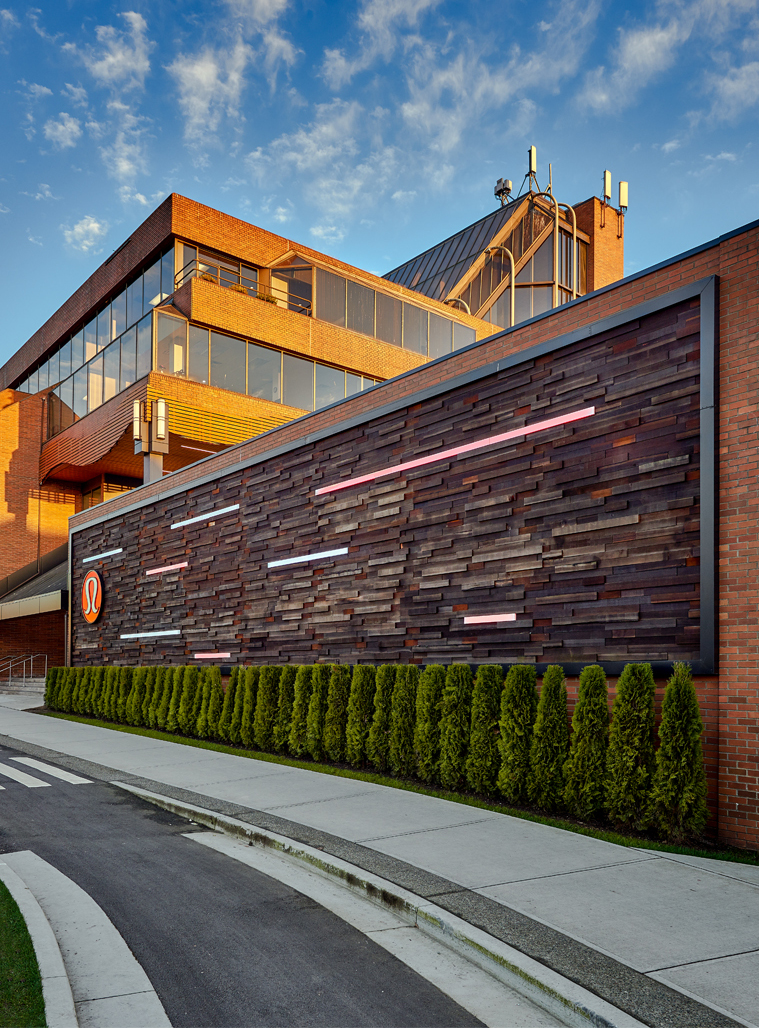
{"x": 17, "y": 685}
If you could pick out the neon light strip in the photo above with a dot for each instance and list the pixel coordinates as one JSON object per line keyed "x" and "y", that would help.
{"x": 485, "y": 619}
{"x": 145, "y": 635}
{"x": 307, "y": 557}
{"x": 210, "y": 656}
{"x": 108, "y": 553}
{"x": 169, "y": 567}
{"x": 196, "y": 449}
{"x": 457, "y": 451}
{"x": 205, "y": 517}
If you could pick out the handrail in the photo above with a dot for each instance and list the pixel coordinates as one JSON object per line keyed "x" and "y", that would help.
{"x": 29, "y": 658}
{"x": 227, "y": 279}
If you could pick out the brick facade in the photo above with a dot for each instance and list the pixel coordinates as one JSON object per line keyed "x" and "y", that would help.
{"x": 37, "y": 634}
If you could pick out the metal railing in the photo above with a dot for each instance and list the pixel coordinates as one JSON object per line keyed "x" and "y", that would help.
{"x": 229, "y": 279}
{"x": 27, "y": 660}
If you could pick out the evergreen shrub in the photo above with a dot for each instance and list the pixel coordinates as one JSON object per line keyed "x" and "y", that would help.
{"x": 51, "y": 679}
{"x": 125, "y": 685}
{"x": 519, "y": 706}
{"x": 163, "y": 704}
{"x": 630, "y": 756}
{"x": 284, "y": 707}
{"x": 678, "y": 802}
{"x": 239, "y": 699}
{"x": 156, "y": 697}
{"x": 336, "y": 717}
{"x": 378, "y": 742}
{"x": 250, "y": 686}
{"x": 103, "y": 702}
{"x": 215, "y": 701}
{"x": 150, "y": 678}
{"x": 429, "y": 706}
{"x": 317, "y": 709}
{"x": 301, "y": 701}
{"x": 225, "y": 721}
{"x": 204, "y": 691}
{"x": 136, "y": 696}
{"x": 172, "y": 716}
{"x": 482, "y": 761}
{"x": 585, "y": 769}
{"x": 550, "y": 742}
{"x": 401, "y": 756}
{"x": 360, "y": 712}
{"x": 455, "y": 724}
{"x": 266, "y": 707}
{"x": 190, "y": 680}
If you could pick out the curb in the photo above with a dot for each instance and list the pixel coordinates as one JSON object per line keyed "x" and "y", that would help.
{"x": 60, "y": 1011}
{"x": 573, "y": 1005}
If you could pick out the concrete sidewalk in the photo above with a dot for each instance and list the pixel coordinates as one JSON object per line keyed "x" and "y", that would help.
{"x": 649, "y": 932}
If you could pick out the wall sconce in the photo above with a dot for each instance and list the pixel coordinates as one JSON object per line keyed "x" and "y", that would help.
{"x": 160, "y": 419}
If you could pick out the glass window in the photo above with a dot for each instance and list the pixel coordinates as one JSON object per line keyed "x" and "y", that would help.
{"x": 249, "y": 278}
{"x": 360, "y": 316}
{"x": 77, "y": 350}
{"x": 167, "y": 273}
{"x": 389, "y": 319}
{"x": 294, "y": 281}
{"x": 42, "y": 377}
{"x": 111, "y": 357}
{"x": 525, "y": 275}
{"x": 462, "y": 335}
{"x": 104, "y": 328}
{"x": 95, "y": 384}
{"x": 227, "y": 362}
{"x": 264, "y": 373}
{"x": 441, "y": 335}
{"x": 152, "y": 286}
{"x": 188, "y": 258}
{"x": 134, "y": 302}
{"x": 369, "y": 382}
{"x": 198, "y": 356}
{"x": 90, "y": 339}
{"x": 298, "y": 381}
{"x": 33, "y": 379}
{"x": 542, "y": 299}
{"x": 118, "y": 315}
{"x": 55, "y": 369}
{"x": 128, "y": 358}
{"x": 171, "y": 345}
{"x": 542, "y": 262}
{"x": 352, "y": 382}
{"x": 329, "y": 385}
{"x": 53, "y": 414}
{"x": 80, "y": 393}
{"x": 23, "y": 387}
{"x": 414, "y": 329}
{"x": 522, "y": 305}
{"x": 500, "y": 312}
{"x": 67, "y": 402}
{"x": 64, "y": 356}
{"x": 330, "y": 297}
{"x": 144, "y": 346}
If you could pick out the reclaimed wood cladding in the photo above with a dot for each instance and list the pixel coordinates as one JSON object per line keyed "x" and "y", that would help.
{"x": 588, "y": 532}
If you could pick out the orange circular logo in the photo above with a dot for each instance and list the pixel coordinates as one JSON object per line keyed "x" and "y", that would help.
{"x": 92, "y": 596}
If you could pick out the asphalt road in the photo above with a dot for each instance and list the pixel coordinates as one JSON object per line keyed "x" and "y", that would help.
{"x": 222, "y": 944}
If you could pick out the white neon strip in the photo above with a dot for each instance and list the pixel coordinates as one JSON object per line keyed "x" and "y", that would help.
{"x": 56, "y": 772}
{"x": 196, "y": 449}
{"x": 205, "y": 517}
{"x": 307, "y": 557}
{"x": 210, "y": 656}
{"x": 485, "y": 619}
{"x": 168, "y": 567}
{"x": 108, "y": 553}
{"x": 145, "y": 635}
{"x": 457, "y": 451}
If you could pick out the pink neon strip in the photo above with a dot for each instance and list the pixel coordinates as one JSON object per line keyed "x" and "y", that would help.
{"x": 486, "y": 618}
{"x": 433, "y": 458}
{"x": 204, "y": 656}
{"x": 169, "y": 567}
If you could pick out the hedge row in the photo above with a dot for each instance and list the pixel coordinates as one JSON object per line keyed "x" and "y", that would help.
{"x": 443, "y": 725}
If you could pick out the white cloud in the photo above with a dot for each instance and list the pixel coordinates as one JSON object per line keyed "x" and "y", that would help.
{"x": 34, "y": 91}
{"x": 86, "y": 234}
{"x": 33, "y": 239}
{"x": 723, "y": 156}
{"x": 4, "y": 209}
{"x": 734, "y": 92}
{"x": 125, "y": 158}
{"x": 44, "y": 192}
{"x": 63, "y": 133}
{"x": 671, "y": 146}
{"x": 128, "y": 195}
{"x": 122, "y": 59}
{"x": 257, "y": 21}
{"x": 403, "y": 195}
{"x": 77, "y": 94}
{"x": 8, "y": 19}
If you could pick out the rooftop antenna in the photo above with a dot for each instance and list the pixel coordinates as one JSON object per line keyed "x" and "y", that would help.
{"x": 605, "y": 196}
{"x": 503, "y": 189}
{"x": 550, "y": 179}
{"x": 622, "y": 208}
{"x": 532, "y": 168}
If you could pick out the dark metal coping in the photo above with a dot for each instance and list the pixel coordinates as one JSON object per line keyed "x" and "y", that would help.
{"x": 37, "y": 567}
{"x": 705, "y": 289}
{"x": 636, "y": 993}
{"x": 54, "y": 580}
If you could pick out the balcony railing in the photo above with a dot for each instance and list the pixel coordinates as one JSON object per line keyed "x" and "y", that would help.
{"x": 239, "y": 282}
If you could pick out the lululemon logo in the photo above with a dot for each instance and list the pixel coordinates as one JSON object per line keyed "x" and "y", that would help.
{"x": 92, "y": 596}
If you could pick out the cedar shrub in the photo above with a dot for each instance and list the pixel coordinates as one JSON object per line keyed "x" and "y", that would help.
{"x": 317, "y": 709}
{"x": 225, "y": 721}
{"x": 429, "y": 706}
{"x": 150, "y": 679}
{"x": 482, "y": 762}
{"x": 301, "y": 701}
{"x": 378, "y": 741}
{"x": 249, "y": 707}
{"x": 236, "y": 718}
{"x": 360, "y": 711}
{"x": 124, "y": 687}
{"x": 630, "y": 756}
{"x": 455, "y": 723}
{"x": 519, "y": 706}
{"x": 266, "y": 707}
{"x": 284, "y": 707}
{"x": 401, "y": 754}
{"x": 190, "y": 681}
{"x": 550, "y": 743}
{"x": 335, "y": 719}
{"x": 585, "y": 769}
{"x": 172, "y": 717}
{"x": 215, "y": 701}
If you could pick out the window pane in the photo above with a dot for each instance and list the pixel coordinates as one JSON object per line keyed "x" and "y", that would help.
{"x": 249, "y": 278}
{"x": 360, "y": 309}
{"x": 33, "y": 379}
{"x": 171, "y": 345}
{"x": 462, "y": 336}
{"x": 522, "y": 304}
{"x": 542, "y": 262}
{"x": 42, "y": 377}
{"x": 53, "y": 414}
{"x": 144, "y": 346}
{"x": 111, "y": 370}
{"x": 299, "y": 380}
{"x": 389, "y": 319}
{"x": 152, "y": 286}
{"x": 128, "y": 358}
{"x": 500, "y": 312}
{"x": 264, "y": 373}
{"x": 441, "y": 335}
{"x": 90, "y": 339}
{"x": 118, "y": 314}
{"x": 227, "y": 363}
{"x": 134, "y": 302}
{"x": 104, "y": 328}
{"x": 330, "y": 385}
{"x": 330, "y": 297}
{"x": 369, "y": 382}
{"x": 167, "y": 273}
{"x": 525, "y": 275}
{"x": 542, "y": 300}
{"x": 80, "y": 393}
{"x": 67, "y": 402}
{"x": 77, "y": 350}
{"x": 64, "y": 356}
{"x": 95, "y": 384}
{"x": 198, "y": 367}
{"x": 352, "y": 383}
{"x": 55, "y": 368}
{"x": 414, "y": 329}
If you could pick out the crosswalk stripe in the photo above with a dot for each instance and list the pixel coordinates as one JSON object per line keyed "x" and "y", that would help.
{"x": 20, "y": 776}
{"x": 56, "y": 772}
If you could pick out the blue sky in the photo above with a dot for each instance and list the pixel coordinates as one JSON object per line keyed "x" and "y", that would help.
{"x": 369, "y": 130}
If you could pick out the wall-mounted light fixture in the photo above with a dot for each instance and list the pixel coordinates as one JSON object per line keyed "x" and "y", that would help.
{"x": 160, "y": 414}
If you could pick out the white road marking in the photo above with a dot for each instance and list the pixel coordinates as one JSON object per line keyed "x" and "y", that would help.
{"x": 56, "y": 772}
{"x": 24, "y": 779}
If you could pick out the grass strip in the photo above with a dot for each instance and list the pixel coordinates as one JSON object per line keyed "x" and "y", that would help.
{"x": 21, "y": 1001}
{"x": 714, "y": 851}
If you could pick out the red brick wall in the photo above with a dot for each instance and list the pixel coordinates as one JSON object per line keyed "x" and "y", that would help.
{"x": 606, "y": 251}
{"x": 38, "y": 633}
